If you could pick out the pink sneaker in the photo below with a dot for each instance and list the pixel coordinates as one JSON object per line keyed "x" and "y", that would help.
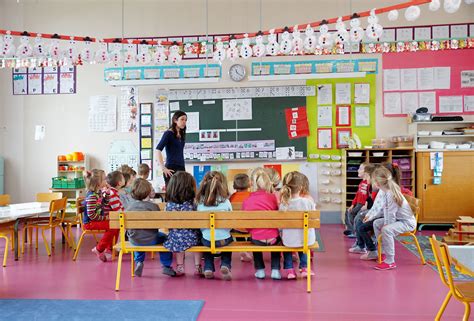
{"x": 108, "y": 255}
{"x": 100, "y": 255}
{"x": 290, "y": 274}
{"x": 385, "y": 266}
{"x": 304, "y": 272}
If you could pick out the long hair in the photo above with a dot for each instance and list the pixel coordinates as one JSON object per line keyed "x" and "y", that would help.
{"x": 394, "y": 170}
{"x": 174, "y": 128}
{"x": 274, "y": 177}
{"x": 94, "y": 179}
{"x": 260, "y": 180}
{"x": 293, "y": 182}
{"x": 181, "y": 188}
{"x": 384, "y": 179}
{"x": 213, "y": 189}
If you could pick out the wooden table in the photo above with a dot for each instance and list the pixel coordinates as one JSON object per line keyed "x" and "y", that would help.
{"x": 463, "y": 258}
{"x": 17, "y": 212}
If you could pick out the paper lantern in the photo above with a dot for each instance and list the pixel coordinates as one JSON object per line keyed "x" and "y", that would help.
{"x": 393, "y": 15}
{"x": 412, "y": 13}
{"x": 434, "y": 5}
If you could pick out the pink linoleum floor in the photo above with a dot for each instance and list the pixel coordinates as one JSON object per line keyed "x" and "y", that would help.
{"x": 344, "y": 288}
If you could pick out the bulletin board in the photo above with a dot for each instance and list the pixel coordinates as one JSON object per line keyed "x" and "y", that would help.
{"x": 366, "y": 132}
{"x": 457, "y": 61}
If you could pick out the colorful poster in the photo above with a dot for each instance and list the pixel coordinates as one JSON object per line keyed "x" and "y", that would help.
{"x": 297, "y": 122}
{"x": 129, "y": 110}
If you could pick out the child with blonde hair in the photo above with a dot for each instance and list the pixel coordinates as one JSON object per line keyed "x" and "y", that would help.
{"x": 275, "y": 179}
{"x": 180, "y": 193}
{"x": 292, "y": 200}
{"x": 94, "y": 217}
{"x": 397, "y": 216}
{"x": 262, "y": 199}
{"x": 213, "y": 195}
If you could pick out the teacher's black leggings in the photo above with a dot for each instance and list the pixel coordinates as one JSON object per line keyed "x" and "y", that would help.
{"x": 175, "y": 168}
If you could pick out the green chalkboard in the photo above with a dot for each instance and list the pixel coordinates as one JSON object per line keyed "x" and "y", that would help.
{"x": 267, "y": 114}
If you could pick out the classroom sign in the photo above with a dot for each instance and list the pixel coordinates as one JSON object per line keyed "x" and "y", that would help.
{"x": 44, "y": 81}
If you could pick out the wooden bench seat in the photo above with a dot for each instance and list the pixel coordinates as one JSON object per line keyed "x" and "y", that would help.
{"x": 214, "y": 220}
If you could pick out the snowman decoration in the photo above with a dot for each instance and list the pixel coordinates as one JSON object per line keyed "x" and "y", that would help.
{"x": 272, "y": 47}
{"x": 143, "y": 54}
{"x": 54, "y": 51}
{"x": 245, "y": 49}
{"x": 70, "y": 54}
{"x": 310, "y": 40}
{"x": 174, "y": 56}
{"x": 342, "y": 36}
{"x": 385, "y": 47}
{"x": 102, "y": 55}
{"x": 219, "y": 54}
{"x": 116, "y": 55}
{"x": 232, "y": 51}
{"x": 286, "y": 44}
{"x": 86, "y": 53}
{"x": 374, "y": 30}
{"x": 39, "y": 51}
{"x": 8, "y": 48}
{"x": 259, "y": 48}
{"x": 356, "y": 33}
{"x": 24, "y": 49}
{"x": 297, "y": 41}
{"x": 325, "y": 39}
{"x": 131, "y": 53}
{"x": 160, "y": 54}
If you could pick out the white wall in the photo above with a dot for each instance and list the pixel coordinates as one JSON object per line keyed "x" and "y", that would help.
{"x": 31, "y": 164}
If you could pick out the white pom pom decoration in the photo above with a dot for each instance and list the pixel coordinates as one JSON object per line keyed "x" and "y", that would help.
{"x": 434, "y": 5}
{"x": 412, "y": 13}
{"x": 393, "y": 15}
{"x": 451, "y": 6}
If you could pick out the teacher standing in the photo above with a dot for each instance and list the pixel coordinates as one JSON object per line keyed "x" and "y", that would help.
{"x": 173, "y": 141}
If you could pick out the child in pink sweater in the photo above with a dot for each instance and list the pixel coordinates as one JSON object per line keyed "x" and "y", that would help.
{"x": 262, "y": 199}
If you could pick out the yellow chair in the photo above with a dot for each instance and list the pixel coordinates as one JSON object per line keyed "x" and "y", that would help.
{"x": 415, "y": 205}
{"x": 57, "y": 210}
{"x": 5, "y": 254}
{"x": 80, "y": 210}
{"x": 73, "y": 220}
{"x": 4, "y": 199}
{"x": 462, "y": 291}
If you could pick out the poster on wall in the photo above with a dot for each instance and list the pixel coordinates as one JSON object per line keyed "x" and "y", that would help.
{"x": 102, "y": 113}
{"x": 128, "y": 109}
{"x": 44, "y": 81}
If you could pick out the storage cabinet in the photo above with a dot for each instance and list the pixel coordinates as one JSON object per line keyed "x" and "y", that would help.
{"x": 352, "y": 158}
{"x": 449, "y": 135}
{"x": 454, "y": 197}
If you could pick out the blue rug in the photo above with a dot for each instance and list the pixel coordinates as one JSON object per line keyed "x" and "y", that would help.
{"x": 407, "y": 241}
{"x": 95, "y": 310}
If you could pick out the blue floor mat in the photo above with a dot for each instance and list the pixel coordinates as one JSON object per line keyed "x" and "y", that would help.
{"x": 92, "y": 310}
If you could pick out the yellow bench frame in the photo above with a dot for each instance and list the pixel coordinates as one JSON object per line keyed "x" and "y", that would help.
{"x": 213, "y": 220}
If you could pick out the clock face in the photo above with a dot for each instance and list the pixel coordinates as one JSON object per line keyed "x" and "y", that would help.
{"x": 237, "y": 72}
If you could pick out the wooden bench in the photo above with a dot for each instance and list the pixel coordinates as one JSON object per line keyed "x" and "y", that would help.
{"x": 214, "y": 220}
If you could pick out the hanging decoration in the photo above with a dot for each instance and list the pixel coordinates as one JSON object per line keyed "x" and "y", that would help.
{"x": 232, "y": 51}
{"x": 143, "y": 53}
{"x": 374, "y": 30}
{"x": 24, "y": 49}
{"x": 174, "y": 55}
{"x": 356, "y": 33}
{"x": 310, "y": 40}
{"x": 87, "y": 54}
{"x": 102, "y": 55}
{"x": 273, "y": 48}
{"x": 342, "y": 36}
{"x": 219, "y": 53}
{"x": 297, "y": 42}
{"x": 245, "y": 49}
{"x": 412, "y": 13}
{"x": 259, "y": 48}
{"x": 393, "y": 15}
{"x": 130, "y": 54}
{"x": 451, "y": 6}
{"x": 325, "y": 38}
{"x": 285, "y": 45}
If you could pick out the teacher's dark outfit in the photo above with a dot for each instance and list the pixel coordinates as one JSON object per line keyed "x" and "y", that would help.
{"x": 174, "y": 152}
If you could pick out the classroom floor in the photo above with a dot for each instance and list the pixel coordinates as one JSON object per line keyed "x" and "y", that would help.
{"x": 344, "y": 288}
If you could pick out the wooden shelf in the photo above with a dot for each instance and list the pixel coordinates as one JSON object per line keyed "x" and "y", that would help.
{"x": 65, "y": 162}
{"x": 444, "y": 136}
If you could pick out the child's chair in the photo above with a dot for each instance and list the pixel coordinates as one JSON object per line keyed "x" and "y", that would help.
{"x": 80, "y": 209}
{"x": 415, "y": 205}
{"x": 57, "y": 210}
{"x": 462, "y": 291}
{"x": 4, "y": 201}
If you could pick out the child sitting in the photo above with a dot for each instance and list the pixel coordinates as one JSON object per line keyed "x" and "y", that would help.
{"x": 144, "y": 172}
{"x": 124, "y": 192}
{"x": 180, "y": 193}
{"x": 140, "y": 190}
{"x": 94, "y": 218}
{"x": 357, "y": 203}
{"x": 213, "y": 196}
{"x": 276, "y": 181}
{"x": 241, "y": 187}
{"x": 291, "y": 199}
{"x": 262, "y": 199}
{"x": 115, "y": 182}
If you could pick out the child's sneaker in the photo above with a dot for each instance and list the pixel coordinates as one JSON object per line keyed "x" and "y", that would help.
{"x": 179, "y": 269}
{"x": 108, "y": 255}
{"x": 100, "y": 255}
{"x": 352, "y": 236}
{"x": 385, "y": 266}
{"x": 260, "y": 274}
{"x": 225, "y": 271}
{"x": 245, "y": 257}
{"x": 138, "y": 269}
{"x": 290, "y": 274}
{"x": 358, "y": 250}
{"x": 198, "y": 271}
{"x": 168, "y": 270}
{"x": 276, "y": 274}
{"x": 369, "y": 256}
{"x": 347, "y": 232}
{"x": 208, "y": 274}
{"x": 304, "y": 272}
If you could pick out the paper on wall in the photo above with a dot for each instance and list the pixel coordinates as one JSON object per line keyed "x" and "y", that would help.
{"x": 285, "y": 153}
{"x": 128, "y": 109}
{"x": 440, "y": 32}
{"x": 450, "y": 104}
{"x": 102, "y": 113}
{"x": 237, "y": 109}
{"x": 40, "y": 131}
{"x": 343, "y": 93}
{"x": 467, "y": 78}
{"x": 428, "y": 100}
{"x": 324, "y": 116}
{"x": 459, "y": 31}
{"x": 362, "y": 116}
{"x": 409, "y": 102}
{"x": 425, "y": 78}
{"x": 34, "y": 84}
{"x": 442, "y": 77}
{"x": 391, "y": 79}
{"x": 324, "y": 92}
{"x": 324, "y": 138}
{"x": 192, "y": 125}
{"x": 408, "y": 79}
{"x": 19, "y": 84}
{"x": 362, "y": 93}
{"x": 469, "y": 103}
{"x": 174, "y": 106}
{"x": 392, "y": 103}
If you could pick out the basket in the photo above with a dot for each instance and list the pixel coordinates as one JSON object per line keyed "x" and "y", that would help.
{"x": 63, "y": 182}
{"x": 283, "y": 69}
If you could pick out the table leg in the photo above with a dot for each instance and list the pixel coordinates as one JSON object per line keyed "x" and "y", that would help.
{"x": 15, "y": 232}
